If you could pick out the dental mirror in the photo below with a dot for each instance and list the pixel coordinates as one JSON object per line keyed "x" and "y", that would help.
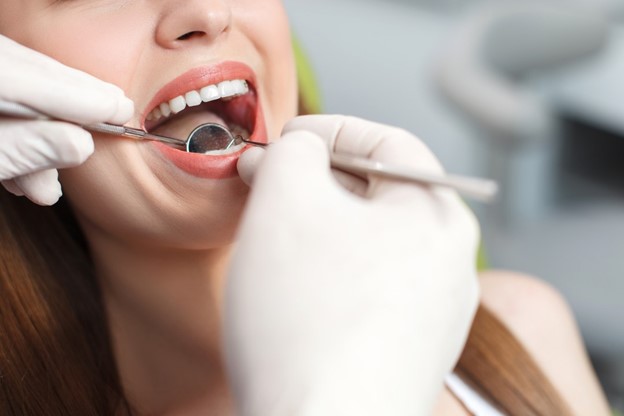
{"x": 211, "y": 137}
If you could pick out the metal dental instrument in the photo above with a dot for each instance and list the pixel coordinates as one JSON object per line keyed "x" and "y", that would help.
{"x": 205, "y": 138}
{"x": 11, "y": 109}
{"x": 480, "y": 189}
{"x": 211, "y": 137}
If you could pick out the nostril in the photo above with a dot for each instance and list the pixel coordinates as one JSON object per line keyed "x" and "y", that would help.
{"x": 189, "y": 35}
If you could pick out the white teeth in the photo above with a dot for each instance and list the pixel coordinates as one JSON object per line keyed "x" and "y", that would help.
{"x": 223, "y": 90}
{"x": 165, "y": 109}
{"x": 209, "y": 93}
{"x": 240, "y": 87}
{"x": 157, "y": 113}
{"x": 193, "y": 99}
{"x": 177, "y": 104}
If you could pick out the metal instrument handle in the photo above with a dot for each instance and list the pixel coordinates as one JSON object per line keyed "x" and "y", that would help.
{"x": 18, "y": 110}
{"x": 484, "y": 190}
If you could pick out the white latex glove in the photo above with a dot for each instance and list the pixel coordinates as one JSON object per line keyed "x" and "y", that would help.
{"x": 339, "y": 304}
{"x": 31, "y": 151}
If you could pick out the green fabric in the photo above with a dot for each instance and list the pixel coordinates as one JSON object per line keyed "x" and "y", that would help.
{"x": 482, "y": 263}
{"x": 308, "y": 87}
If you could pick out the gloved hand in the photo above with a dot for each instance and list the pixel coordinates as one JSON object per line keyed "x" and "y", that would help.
{"x": 346, "y": 302}
{"x": 31, "y": 151}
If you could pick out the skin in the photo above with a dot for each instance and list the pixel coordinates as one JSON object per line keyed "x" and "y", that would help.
{"x": 146, "y": 221}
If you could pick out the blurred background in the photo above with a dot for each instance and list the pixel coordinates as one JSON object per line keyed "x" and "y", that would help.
{"x": 529, "y": 93}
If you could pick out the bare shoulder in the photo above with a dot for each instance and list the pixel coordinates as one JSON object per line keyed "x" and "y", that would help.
{"x": 540, "y": 318}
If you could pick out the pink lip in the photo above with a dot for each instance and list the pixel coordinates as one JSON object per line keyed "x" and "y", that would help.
{"x": 208, "y": 166}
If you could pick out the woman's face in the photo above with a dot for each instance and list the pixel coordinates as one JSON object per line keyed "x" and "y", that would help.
{"x": 159, "y": 51}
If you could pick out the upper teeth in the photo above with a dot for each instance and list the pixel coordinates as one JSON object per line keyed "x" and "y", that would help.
{"x": 225, "y": 89}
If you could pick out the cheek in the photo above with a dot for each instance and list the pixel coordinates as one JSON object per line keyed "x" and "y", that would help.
{"x": 89, "y": 43}
{"x": 266, "y": 25}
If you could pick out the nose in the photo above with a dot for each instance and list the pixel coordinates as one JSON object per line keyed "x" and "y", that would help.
{"x": 193, "y": 21}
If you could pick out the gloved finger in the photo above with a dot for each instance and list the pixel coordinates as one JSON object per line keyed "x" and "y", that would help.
{"x": 353, "y": 136}
{"x": 294, "y": 170}
{"x": 250, "y": 160}
{"x": 350, "y": 182}
{"x": 355, "y": 184}
{"x": 362, "y": 138}
{"x": 248, "y": 164}
{"x": 31, "y": 146}
{"x": 55, "y": 89}
{"x": 10, "y": 186}
{"x": 42, "y": 188}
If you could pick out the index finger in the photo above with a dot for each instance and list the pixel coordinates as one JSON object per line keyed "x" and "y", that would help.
{"x": 365, "y": 139}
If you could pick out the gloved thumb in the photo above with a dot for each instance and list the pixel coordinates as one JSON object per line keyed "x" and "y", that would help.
{"x": 248, "y": 164}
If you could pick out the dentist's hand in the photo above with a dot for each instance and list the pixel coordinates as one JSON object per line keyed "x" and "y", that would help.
{"x": 31, "y": 151}
{"x": 346, "y": 302}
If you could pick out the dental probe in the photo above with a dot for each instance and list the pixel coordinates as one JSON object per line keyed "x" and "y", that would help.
{"x": 211, "y": 136}
{"x": 480, "y": 189}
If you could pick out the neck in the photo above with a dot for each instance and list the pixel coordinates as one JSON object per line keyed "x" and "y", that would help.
{"x": 164, "y": 309}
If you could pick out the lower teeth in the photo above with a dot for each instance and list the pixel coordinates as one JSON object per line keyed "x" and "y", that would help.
{"x": 236, "y": 131}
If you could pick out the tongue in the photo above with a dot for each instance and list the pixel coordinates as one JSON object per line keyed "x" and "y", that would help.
{"x": 182, "y": 125}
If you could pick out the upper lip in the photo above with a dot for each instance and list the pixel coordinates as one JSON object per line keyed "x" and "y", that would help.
{"x": 198, "y": 78}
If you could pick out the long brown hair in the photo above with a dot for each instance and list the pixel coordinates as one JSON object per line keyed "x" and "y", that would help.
{"x": 55, "y": 357}
{"x": 498, "y": 366}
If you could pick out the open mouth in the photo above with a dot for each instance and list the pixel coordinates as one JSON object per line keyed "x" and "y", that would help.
{"x": 231, "y": 103}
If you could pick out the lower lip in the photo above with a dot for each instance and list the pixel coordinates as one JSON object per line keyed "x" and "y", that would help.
{"x": 212, "y": 166}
